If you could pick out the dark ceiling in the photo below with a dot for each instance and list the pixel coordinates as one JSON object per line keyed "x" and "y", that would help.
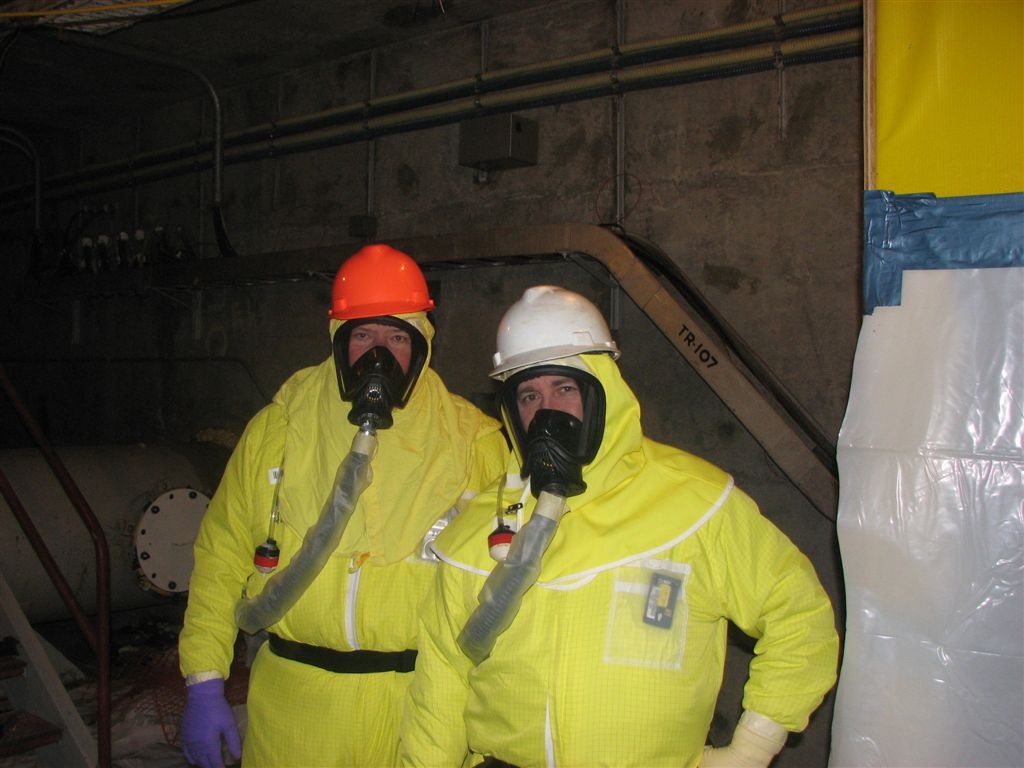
{"x": 53, "y": 74}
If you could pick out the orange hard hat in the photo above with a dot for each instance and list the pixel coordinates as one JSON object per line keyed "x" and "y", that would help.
{"x": 378, "y": 280}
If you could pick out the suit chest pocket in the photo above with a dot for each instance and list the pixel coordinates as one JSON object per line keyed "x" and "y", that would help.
{"x": 647, "y": 616}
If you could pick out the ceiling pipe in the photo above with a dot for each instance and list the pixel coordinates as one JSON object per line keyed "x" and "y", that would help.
{"x": 730, "y": 64}
{"x": 86, "y": 41}
{"x": 269, "y": 136}
{"x": 17, "y": 139}
{"x": 795, "y": 25}
{"x": 791, "y": 26}
{"x": 773, "y": 29}
{"x": 14, "y": 137}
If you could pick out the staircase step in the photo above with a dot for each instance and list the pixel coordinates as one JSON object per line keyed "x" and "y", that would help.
{"x": 11, "y": 666}
{"x": 22, "y": 732}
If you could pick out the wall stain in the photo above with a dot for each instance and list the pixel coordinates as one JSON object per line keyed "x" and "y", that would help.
{"x": 571, "y": 144}
{"x": 343, "y": 72}
{"x": 727, "y": 135}
{"x": 322, "y": 188}
{"x": 736, "y": 13}
{"x": 805, "y": 112}
{"x": 408, "y": 180}
{"x": 729, "y": 279}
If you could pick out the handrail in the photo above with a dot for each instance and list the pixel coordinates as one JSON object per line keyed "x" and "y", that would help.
{"x": 99, "y": 639}
{"x": 46, "y": 559}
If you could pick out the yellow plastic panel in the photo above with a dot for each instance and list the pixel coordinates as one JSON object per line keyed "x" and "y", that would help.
{"x": 949, "y": 96}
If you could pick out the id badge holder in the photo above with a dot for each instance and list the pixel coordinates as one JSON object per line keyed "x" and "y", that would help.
{"x": 662, "y": 599}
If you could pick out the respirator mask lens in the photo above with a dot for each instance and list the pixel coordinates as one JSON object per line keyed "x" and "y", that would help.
{"x": 557, "y": 445}
{"x": 375, "y": 384}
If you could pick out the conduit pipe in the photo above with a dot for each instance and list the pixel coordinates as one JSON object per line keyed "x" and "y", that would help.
{"x": 19, "y": 140}
{"x": 815, "y": 21}
{"x": 441, "y": 105}
{"x": 14, "y": 137}
{"x": 86, "y": 41}
{"x": 787, "y": 26}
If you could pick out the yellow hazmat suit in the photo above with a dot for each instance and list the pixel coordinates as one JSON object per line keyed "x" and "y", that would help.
{"x": 439, "y": 451}
{"x": 580, "y": 678}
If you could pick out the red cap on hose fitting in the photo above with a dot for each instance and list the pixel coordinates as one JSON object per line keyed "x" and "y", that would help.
{"x": 267, "y": 556}
{"x": 499, "y": 541}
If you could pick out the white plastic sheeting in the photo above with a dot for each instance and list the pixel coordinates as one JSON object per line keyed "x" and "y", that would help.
{"x": 931, "y": 504}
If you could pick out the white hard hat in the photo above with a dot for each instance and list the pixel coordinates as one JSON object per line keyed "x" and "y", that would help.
{"x": 549, "y": 323}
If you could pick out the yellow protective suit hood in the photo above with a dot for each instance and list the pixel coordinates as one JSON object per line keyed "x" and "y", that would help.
{"x": 422, "y": 448}
{"x": 667, "y": 499}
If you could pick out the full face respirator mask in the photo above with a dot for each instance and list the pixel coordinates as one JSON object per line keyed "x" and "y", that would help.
{"x": 375, "y": 383}
{"x": 552, "y": 451}
{"x": 557, "y": 445}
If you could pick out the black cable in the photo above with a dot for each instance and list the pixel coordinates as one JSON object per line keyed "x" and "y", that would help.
{"x": 193, "y": 11}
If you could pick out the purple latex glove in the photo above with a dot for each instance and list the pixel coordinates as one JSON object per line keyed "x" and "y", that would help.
{"x": 208, "y": 719}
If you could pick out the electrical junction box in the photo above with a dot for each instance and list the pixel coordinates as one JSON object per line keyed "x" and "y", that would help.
{"x": 497, "y": 142}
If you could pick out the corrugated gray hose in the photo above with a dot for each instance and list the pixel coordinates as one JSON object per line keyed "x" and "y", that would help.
{"x": 502, "y": 593}
{"x": 285, "y": 587}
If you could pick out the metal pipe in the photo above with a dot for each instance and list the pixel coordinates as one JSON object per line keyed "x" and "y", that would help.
{"x": 620, "y": 125}
{"x": 371, "y": 148}
{"x": 759, "y": 58}
{"x": 22, "y": 142}
{"x": 218, "y": 121}
{"x": 775, "y": 28}
{"x": 783, "y": 26}
{"x": 148, "y": 499}
{"x": 87, "y": 41}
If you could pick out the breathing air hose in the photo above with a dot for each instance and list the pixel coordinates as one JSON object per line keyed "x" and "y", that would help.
{"x": 503, "y": 591}
{"x": 286, "y": 586}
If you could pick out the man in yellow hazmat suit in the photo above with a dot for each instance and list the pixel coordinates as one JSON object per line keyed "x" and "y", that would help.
{"x": 318, "y": 532}
{"x": 597, "y": 637}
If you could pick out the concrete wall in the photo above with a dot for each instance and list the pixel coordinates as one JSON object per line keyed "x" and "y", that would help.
{"x": 751, "y": 185}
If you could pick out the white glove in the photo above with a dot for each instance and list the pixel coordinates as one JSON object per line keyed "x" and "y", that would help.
{"x": 756, "y": 740}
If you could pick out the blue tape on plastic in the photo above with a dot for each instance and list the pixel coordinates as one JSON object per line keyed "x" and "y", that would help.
{"x": 927, "y": 232}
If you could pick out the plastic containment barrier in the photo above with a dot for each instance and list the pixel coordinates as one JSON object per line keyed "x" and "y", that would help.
{"x": 931, "y": 498}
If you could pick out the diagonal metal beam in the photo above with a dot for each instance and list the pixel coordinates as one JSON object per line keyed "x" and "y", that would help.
{"x": 788, "y": 445}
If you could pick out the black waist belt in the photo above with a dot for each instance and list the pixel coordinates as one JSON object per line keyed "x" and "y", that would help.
{"x": 493, "y": 762}
{"x": 344, "y": 662}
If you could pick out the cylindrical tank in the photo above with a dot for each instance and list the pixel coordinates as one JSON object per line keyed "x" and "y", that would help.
{"x": 148, "y": 500}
